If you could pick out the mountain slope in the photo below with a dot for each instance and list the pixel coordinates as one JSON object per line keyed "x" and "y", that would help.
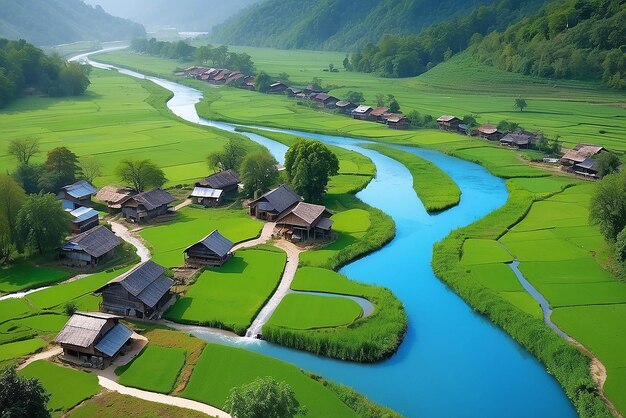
{"x": 334, "y": 24}
{"x": 184, "y": 15}
{"x": 53, "y": 22}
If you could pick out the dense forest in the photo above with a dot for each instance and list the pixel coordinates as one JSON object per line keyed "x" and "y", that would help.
{"x": 53, "y": 22}
{"x": 573, "y": 39}
{"x": 410, "y": 55}
{"x": 334, "y": 24}
{"x": 23, "y": 66}
{"x": 216, "y": 56}
{"x": 184, "y": 15}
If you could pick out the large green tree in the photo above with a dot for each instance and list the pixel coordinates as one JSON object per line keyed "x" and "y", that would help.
{"x": 258, "y": 173}
{"x": 263, "y": 82}
{"x": 21, "y": 396}
{"x": 309, "y": 165}
{"x": 41, "y": 223}
{"x": 607, "y": 163}
{"x": 229, "y": 158}
{"x": 23, "y": 149}
{"x": 263, "y": 398}
{"x": 608, "y": 205}
{"x": 140, "y": 174}
{"x": 12, "y": 198}
{"x": 62, "y": 168}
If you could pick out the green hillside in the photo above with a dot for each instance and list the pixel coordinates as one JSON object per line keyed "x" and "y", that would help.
{"x": 53, "y": 22}
{"x": 334, "y": 24}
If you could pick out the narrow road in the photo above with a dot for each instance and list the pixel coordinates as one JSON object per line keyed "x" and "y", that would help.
{"x": 121, "y": 231}
{"x": 44, "y": 355}
{"x": 266, "y": 235}
{"x": 182, "y": 205}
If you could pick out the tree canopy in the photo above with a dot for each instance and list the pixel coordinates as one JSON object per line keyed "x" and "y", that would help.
{"x": 21, "y": 396}
{"x": 608, "y": 205}
{"x": 41, "y": 223}
{"x": 229, "y": 158}
{"x": 263, "y": 398}
{"x": 309, "y": 165}
{"x": 607, "y": 163}
{"x": 12, "y": 198}
{"x": 263, "y": 82}
{"x": 62, "y": 168}
{"x": 23, "y": 149}
{"x": 140, "y": 174}
{"x": 258, "y": 173}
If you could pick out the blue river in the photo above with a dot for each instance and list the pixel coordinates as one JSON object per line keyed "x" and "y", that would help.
{"x": 453, "y": 362}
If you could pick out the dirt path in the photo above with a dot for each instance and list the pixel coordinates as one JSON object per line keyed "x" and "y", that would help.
{"x": 44, "y": 355}
{"x": 121, "y": 231}
{"x": 182, "y": 205}
{"x": 293, "y": 259}
{"x": 266, "y": 235}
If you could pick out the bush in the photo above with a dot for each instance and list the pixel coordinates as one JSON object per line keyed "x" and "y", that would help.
{"x": 70, "y": 308}
{"x": 620, "y": 246}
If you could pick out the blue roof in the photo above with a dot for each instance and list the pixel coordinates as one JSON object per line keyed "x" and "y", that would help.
{"x": 114, "y": 340}
{"x": 80, "y": 189}
{"x": 82, "y": 214}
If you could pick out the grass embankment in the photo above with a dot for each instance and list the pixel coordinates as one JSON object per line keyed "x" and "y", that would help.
{"x": 433, "y": 186}
{"x": 67, "y": 387}
{"x": 307, "y": 312}
{"x": 169, "y": 240}
{"x": 141, "y": 373}
{"x": 230, "y": 296}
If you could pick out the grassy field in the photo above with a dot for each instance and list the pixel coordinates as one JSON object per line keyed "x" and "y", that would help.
{"x": 435, "y": 188}
{"x": 141, "y": 372}
{"x": 298, "y": 311}
{"x": 23, "y": 276}
{"x": 67, "y": 387}
{"x": 114, "y": 405}
{"x": 230, "y": 296}
{"x": 230, "y": 367}
{"x": 169, "y": 240}
{"x": 21, "y": 348}
{"x": 118, "y": 118}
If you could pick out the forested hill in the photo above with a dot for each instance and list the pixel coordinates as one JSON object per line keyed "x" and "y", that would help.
{"x": 53, "y": 22}
{"x": 334, "y": 24}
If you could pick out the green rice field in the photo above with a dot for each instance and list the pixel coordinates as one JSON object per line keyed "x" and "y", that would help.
{"x": 230, "y": 296}
{"x": 169, "y": 240}
{"x": 57, "y": 380}
{"x": 24, "y": 276}
{"x": 298, "y": 311}
{"x": 141, "y": 373}
{"x": 20, "y": 348}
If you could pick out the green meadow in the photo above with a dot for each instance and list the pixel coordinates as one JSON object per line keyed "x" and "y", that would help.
{"x": 67, "y": 387}
{"x": 141, "y": 373}
{"x": 300, "y": 311}
{"x": 20, "y": 348}
{"x": 169, "y": 240}
{"x": 24, "y": 276}
{"x": 230, "y": 296}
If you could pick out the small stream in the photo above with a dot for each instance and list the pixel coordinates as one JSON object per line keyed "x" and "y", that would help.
{"x": 453, "y": 362}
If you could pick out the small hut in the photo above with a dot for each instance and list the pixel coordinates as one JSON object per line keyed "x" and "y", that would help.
{"x": 489, "y": 132}
{"x": 90, "y": 248}
{"x": 518, "y": 139}
{"x": 580, "y": 153}
{"x": 212, "y": 251}
{"x": 277, "y": 87}
{"x": 93, "y": 339}
{"x": 206, "y": 196}
{"x": 147, "y": 205}
{"x": 379, "y": 114}
{"x": 77, "y": 195}
{"x": 83, "y": 219}
{"x": 362, "y": 112}
{"x": 325, "y": 100}
{"x": 449, "y": 123}
{"x": 142, "y": 292}
{"x": 272, "y": 204}
{"x": 345, "y": 106}
{"x": 397, "y": 121}
{"x": 114, "y": 196}
{"x": 305, "y": 222}
{"x": 227, "y": 180}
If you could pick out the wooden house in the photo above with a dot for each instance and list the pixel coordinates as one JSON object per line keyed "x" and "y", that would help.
{"x": 114, "y": 196}
{"x": 449, "y": 123}
{"x": 362, "y": 112}
{"x": 221, "y": 77}
{"x": 580, "y": 153}
{"x": 147, "y": 205}
{"x": 142, "y": 292}
{"x": 93, "y": 339}
{"x": 587, "y": 168}
{"x": 325, "y": 100}
{"x": 228, "y": 181}
{"x": 379, "y": 114}
{"x": 345, "y": 107}
{"x": 489, "y": 132}
{"x": 272, "y": 204}
{"x": 518, "y": 139}
{"x": 249, "y": 83}
{"x": 212, "y": 251}
{"x": 397, "y": 121}
{"x": 90, "y": 248}
{"x": 277, "y": 87}
{"x": 206, "y": 196}
{"x": 311, "y": 89}
{"x": 83, "y": 219}
{"x": 293, "y": 92}
{"x": 77, "y": 195}
{"x": 304, "y": 222}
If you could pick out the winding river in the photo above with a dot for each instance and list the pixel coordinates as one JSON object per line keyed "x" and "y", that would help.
{"x": 453, "y": 362}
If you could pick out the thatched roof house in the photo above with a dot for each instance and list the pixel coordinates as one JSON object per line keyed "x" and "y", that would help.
{"x": 305, "y": 221}
{"x": 147, "y": 205}
{"x": 90, "y": 248}
{"x": 273, "y": 203}
{"x": 213, "y": 250}
{"x": 580, "y": 153}
{"x": 114, "y": 196}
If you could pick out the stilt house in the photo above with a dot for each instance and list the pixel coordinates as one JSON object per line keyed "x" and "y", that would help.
{"x": 212, "y": 251}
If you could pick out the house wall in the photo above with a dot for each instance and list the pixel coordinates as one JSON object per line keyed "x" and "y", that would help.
{"x": 117, "y": 300}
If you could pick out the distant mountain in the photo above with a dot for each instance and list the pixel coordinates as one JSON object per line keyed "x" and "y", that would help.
{"x": 334, "y": 24}
{"x": 184, "y": 15}
{"x": 53, "y": 22}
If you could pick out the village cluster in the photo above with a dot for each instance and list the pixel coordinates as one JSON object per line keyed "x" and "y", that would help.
{"x": 95, "y": 339}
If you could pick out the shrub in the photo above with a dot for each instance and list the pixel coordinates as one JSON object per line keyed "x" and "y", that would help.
{"x": 70, "y": 308}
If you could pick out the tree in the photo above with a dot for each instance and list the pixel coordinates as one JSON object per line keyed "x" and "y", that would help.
{"x": 263, "y": 82}
{"x": 380, "y": 100}
{"x": 309, "y": 164}
{"x": 316, "y": 83}
{"x": 355, "y": 97}
{"x": 331, "y": 67}
{"x": 620, "y": 246}
{"x": 21, "y": 396}
{"x": 263, "y": 398}
{"x": 283, "y": 77}
{"x": 140, "y": 174}
{"x": 12, "y": 198}
{"x": 28, "y": 176}
{"x": 346, "y": 64}
{"x": 61, "y": 169}
{"x": 229, "y": 158}
{"x": 258, "y": 173}
{"x": 23, "y": 149}
{"x": 520, "y": 103}
{"x": 607, "y": 163}
{"x": 608, "y": 205}
{"x": 394, "y": 106}
{"x": 41, "y": 223}
{"x": 91, "y": 168}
